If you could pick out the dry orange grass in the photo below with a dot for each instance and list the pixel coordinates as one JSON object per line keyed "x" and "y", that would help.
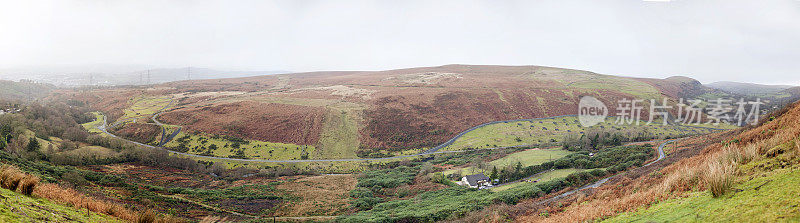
{"x": 13, "y": 179}
{"x": 319, "y": 195}
{"x": 27, "y": 185}
{"x": 151, "y": 216}
{"x": 10, "y": 177}
{"x": 148, "y": 216}
{"x": 78, "y": 200}
{"x": 719, "y": 175}
{"x": 213, "y": 219}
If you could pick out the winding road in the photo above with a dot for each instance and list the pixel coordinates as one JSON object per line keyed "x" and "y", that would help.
{"x": 430, "y": 151}
{"x": 596, "y": 184}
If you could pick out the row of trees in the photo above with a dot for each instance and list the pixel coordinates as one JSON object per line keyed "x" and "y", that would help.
{"x": 612, "y": 159}
{"x": 597, "y": 139}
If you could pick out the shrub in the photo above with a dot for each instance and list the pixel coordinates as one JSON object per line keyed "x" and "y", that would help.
{"x": 387, "y": 178}
{"x": 361, "y": 193}
{"x": 365, "y": 203}
{"x": 27, "y": 185}
{"x": 75, "y": 178}
{"x": 719, "y": 177}
{"x": 681, "y": 179}
{"x": 146, "y": 217}
{"x": 10, "y": 177}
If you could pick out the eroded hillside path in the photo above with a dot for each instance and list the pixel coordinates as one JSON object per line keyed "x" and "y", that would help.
{"x": 430, "y": 151}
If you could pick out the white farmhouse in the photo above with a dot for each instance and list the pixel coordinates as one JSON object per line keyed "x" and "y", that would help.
{"x": 476, "y": 181}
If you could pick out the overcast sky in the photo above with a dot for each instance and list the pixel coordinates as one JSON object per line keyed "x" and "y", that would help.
{"x": 752, "y": 41}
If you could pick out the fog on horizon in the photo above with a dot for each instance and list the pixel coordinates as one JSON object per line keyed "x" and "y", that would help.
{"x": 745, "y": 41}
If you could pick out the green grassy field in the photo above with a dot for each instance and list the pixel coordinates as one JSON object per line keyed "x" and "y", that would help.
{"x": 339, "y": 138}
{"x": 169, "y": 130}
{"x": 144, "y": 107}
{"x": 92, "y": 126}
{"x": 20, "y": 208}
{"x": 219, "y": 146}
{"x": 775, "y": 200}
{"x": 527, "y": 158}
{"x": 606, "y": 82}
{"x": 43, "y": 144}
{"x": 553, "y": 130}
{"x": 560, "y": 173}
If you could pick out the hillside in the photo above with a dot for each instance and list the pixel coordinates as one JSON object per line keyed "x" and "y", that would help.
{"x": 363, "y": 112}
{"x": 747, "y": 88}
{"x": 23, "y": 90}
{"x": 20, "y": 208}
{"x": 750, "y": 174}
{"x": 792, "y": 91}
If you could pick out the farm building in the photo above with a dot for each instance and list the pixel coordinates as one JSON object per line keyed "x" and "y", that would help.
{"x": 476, "y": 181}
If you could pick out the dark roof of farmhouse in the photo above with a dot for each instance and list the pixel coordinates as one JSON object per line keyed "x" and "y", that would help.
{"x": 473, "y": 179}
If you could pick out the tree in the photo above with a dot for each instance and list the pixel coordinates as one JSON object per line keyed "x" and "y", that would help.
{"x": 33, "y": 145}
{"x": 2, "y": 142}
{"x": 493, "y": 175}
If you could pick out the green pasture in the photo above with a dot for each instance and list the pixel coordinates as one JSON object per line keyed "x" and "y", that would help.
{"x": 92, "y": 126}
{"x": 553, "y": 130}
{"x": 559, "y": 173}
{"x": 319, "y": 167}
{"x": 144, "y": 107}
{"x": 169, "y": 129}
{"x": 526, "y": 158}
{"x": 219, "y": 146}
{"x": 625, "y": 85}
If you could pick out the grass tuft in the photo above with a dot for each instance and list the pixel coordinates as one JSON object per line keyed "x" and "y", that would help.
{"x": 148, "y": 216}
{"x": 213, "y": 219}
{"x": 13, "y": 179}
{"x": 27, "y": 185}
{"x": 719, "y": 177}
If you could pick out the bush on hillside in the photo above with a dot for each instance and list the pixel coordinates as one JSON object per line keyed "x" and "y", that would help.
{"x": 719, "y": 177}
{"x": 13, "y": 179}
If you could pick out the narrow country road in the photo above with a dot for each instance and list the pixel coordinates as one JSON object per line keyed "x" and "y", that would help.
{"x": 105, "y": 126}
{"x": 660, "y": 157}
{"x": 600, "y": 182}
{"x": 434, "y": 150}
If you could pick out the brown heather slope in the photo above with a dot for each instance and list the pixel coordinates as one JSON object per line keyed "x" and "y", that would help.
{"x": 393, "y": 109}
{"x": 139, "y": 132}
{"x": 253, "y": 120}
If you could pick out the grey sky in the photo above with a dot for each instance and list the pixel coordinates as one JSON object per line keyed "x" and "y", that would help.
{"x": 752, "y": 41}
